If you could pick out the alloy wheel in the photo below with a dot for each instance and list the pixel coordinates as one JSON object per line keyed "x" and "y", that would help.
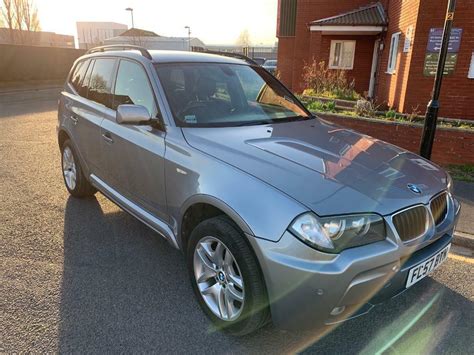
{"x": 219, "y": 278}
{"x": 69, "y": 168}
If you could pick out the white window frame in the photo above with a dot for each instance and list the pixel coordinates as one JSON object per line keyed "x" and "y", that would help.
{"x": 332, "y": 54}
{"x": 393, "y": 54}
{"x": 470, "y": 74}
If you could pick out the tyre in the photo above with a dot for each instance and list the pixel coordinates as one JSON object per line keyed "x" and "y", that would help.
{"x": 74, "y": 179}
{"x": 226, "y": 277}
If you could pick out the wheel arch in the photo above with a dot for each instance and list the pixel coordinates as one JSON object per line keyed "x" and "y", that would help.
{"x": 63, "y": 136}
{"x": 200, "y": 207}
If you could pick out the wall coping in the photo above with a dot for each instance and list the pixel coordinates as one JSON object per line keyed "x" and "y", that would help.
{"x": 387, "y": 122}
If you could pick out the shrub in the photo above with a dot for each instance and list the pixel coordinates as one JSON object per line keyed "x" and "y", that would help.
{"x": 391, "y": 114}
{"x": 366, "y": 108}
{"x": 321, "y": 81}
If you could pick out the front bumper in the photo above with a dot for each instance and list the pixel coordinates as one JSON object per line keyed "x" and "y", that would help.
{"x": 308, "y": 288}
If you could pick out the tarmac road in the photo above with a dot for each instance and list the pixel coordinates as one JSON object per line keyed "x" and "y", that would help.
{"x": 84, "y": 276}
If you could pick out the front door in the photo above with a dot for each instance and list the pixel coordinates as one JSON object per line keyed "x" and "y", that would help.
{"x": 373, "y": 71}
{"x": 133, "y": 156}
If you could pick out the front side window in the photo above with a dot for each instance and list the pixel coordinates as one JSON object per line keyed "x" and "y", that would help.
{"x": 133, "y": 87}
{"x": 215, "y": 94}
{"x": 101, "y": 80}
{"x": 393, "y": 54}
{"x": 342, "y": 55}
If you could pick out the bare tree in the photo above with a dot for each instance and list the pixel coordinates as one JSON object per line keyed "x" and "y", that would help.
{"x": 8, "y": 15}
{"x": 21, "y": 15}
{"x": 244, "y": 39}
{"x": 29, "y": 14}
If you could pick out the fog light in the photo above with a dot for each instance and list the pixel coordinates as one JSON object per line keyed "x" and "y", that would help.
{"x": 338, "y": 310}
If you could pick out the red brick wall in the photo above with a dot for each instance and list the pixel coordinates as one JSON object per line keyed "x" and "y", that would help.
{"x": 457, "y": 93}
{"x": 391, "y": 88}
{"x": 408, "y": 89}
{"x": 362, "y": 62}
{"x": 295, "y": 56}
{"x": 451, "y": 146}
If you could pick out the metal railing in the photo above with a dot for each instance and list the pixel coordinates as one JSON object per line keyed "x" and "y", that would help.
{"x": 117, "y": 47}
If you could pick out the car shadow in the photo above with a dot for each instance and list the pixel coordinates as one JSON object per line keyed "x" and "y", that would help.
{"x": 125, "y": 289}
{"x": 464, "y": 191}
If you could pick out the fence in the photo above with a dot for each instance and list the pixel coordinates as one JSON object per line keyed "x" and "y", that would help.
{"x": 24, "y": 63}
{"x": 252, "y": 52}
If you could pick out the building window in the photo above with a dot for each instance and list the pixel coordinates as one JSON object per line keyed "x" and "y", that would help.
{"x": 470, "y": 75}
{"x": 287, "y": 18}
{"x": 393, "y": 55}
{"x": 342, "y": 55}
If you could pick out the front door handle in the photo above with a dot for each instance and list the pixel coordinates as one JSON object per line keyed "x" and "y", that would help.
{"x": 107, "y": 137}
{"x": 74, "y": 119}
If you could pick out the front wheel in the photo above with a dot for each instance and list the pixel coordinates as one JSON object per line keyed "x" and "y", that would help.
{"x": 226, "y": 277}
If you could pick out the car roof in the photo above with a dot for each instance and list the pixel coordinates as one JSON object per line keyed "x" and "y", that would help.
{"x": 163, "y": 56}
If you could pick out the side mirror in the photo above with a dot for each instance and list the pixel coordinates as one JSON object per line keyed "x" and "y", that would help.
{"x": 133, "y": 114}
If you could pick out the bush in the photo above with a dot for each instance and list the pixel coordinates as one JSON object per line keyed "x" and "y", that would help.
{"x": 366, "y": 108}
{"x": 391, "y": 114}
{"x": 322, "y": 81}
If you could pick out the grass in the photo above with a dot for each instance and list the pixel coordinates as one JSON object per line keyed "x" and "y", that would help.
{"x": 350, "y": 95}
{"x": 462, "y": 172}
{"x": 320, "y": 106}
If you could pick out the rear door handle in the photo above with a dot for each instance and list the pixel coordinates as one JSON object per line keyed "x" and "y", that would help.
{"x": 107, "y": 137}
{"x": 74, "y": 119}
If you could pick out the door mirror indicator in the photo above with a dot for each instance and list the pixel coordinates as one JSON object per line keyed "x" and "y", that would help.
{"x": 133, "y": 114}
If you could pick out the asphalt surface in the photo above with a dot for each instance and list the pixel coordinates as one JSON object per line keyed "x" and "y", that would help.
{"x": 84, "y": 276}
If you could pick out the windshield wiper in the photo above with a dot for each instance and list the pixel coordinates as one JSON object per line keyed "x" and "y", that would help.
{"x": 274, "y": 120}
{"x": 254, "y": 123}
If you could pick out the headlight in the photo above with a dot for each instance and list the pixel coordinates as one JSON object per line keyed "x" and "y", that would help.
{"x": 449, "y": 183}
{"x": 333, "y": 234}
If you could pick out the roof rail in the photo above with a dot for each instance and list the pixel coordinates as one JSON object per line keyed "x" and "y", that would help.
{"x": 117, "y": 47}
{"x": 228, "y": 54}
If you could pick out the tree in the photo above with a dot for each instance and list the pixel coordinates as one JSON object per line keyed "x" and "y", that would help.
{"x": 244, "y": 39}
{"x": 8, "y": 16}
{"x": 21, "y": 15}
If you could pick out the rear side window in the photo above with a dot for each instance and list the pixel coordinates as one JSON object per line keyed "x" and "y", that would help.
{"x": 133, "y": 87}
{"x": 101, "y": 82}
{"x": 79, "y": 73}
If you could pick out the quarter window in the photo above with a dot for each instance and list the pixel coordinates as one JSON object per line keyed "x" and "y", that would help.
{"x": 133, "y": 87}
{"x": 78, "y": 75}
{"x": 393, "y": 54}
{"x": 342, "y": 55}
{"x": 100, "y": 83}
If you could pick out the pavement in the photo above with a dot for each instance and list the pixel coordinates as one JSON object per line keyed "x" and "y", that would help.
{"x": 83, "y": 276}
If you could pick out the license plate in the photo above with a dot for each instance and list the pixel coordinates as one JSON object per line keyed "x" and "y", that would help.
{"x": 426, "y": 267}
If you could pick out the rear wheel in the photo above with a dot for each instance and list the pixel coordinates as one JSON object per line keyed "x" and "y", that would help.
{"x": 226, "y": 277}
{"x": 74, "y": 179}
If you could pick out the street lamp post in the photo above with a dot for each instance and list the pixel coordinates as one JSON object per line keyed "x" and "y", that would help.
{"x": 131, "y": 12}
{"x": 431, "y": 118}
{"x": 189, "y": 37}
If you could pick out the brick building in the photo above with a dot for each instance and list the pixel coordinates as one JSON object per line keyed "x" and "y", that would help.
{"x": 388, "y": 47}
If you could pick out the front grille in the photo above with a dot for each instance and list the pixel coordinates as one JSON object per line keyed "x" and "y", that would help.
{"x": 411, "y": 223}
{"x": 439, "y": 208}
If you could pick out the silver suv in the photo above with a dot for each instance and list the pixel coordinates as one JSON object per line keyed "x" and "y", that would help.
{"x": 281, "y": 216}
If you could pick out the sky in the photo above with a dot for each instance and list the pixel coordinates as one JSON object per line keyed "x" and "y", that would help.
{"x": 212, "y": 21}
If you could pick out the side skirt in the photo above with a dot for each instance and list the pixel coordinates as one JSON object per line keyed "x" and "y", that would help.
{"x": 139, "y": 213}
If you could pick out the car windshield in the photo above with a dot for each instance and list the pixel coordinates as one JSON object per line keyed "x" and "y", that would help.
{"x": 271, "y": 63}
{"x": 217, "y": 95}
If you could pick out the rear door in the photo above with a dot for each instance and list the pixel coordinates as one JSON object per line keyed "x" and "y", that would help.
{"x": 133, "y": 156}
{"x": 93, "y": 87}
